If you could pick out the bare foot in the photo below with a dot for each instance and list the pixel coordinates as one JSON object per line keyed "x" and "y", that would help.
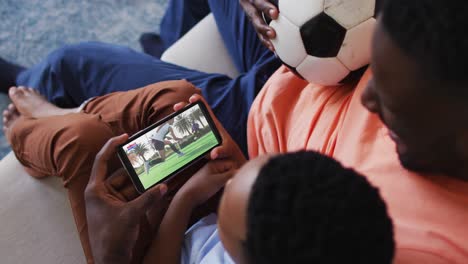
{"x": 10, "y": 117}
{"x": 30, "y": 103}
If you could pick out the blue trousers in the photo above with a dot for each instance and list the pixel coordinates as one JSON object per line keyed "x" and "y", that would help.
{"x": 74, "y": 73}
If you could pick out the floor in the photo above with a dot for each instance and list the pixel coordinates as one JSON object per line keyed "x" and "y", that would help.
{"x": 30, "y": 29}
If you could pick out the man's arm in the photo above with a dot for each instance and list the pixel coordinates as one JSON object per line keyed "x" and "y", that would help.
{"x": 167, "y": 245}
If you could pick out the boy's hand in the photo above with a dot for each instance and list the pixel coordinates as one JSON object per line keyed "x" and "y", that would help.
{"x": 206, "y": 182}
{"x": 254, "y": 9}
{"x": 229, "y": 149}
{"x": 114, "y": 225}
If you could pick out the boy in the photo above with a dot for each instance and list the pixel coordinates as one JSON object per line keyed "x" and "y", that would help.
{"x": 293, "y": 208}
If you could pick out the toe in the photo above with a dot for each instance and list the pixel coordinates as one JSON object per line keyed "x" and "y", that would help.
{"x": 6, "y": 113}
{"x": 11, "y": 107}
{"x": 12, "y": 91}
{"x": 14, "y": 114}
{"x": 21, "y": 90}
{"x": 16, "y": 92}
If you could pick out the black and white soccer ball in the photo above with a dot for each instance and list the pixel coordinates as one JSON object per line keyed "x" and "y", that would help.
{"x": 324, "y": 41}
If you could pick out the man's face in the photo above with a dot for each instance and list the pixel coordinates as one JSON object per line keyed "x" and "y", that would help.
{"x": 425, "y": 127}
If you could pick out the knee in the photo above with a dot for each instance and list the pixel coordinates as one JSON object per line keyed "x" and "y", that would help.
{"x": 186, "y": 90}
{"x": 173, "y": 92}
{"x": 81, "y": 139}
{"x": 160, "y": 98}
{"x": 71, "y": 54}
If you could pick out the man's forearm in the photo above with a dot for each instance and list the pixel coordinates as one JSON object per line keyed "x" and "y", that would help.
{"x": 167, "y": 245}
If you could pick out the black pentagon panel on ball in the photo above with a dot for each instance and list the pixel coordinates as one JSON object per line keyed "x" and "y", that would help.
{"x": 378, "y": 5}
{"x": 267, "y": 18}
{"x": 354, "y": 76}
{"x": 322, "y": 36}
{"x": 293, "y": 70}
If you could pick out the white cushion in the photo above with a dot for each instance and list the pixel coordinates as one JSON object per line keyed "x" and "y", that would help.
{"x": 37, "y": 225}
{"x": 202, "y": 48}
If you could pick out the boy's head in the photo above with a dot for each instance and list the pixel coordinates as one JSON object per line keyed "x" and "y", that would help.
{"x": 303, "y": 208}
{"x": 420, "y": 83}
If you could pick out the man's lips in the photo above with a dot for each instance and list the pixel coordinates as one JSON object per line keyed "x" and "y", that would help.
{"x": 401, "y": 146}
{"x": 393, "y": 136}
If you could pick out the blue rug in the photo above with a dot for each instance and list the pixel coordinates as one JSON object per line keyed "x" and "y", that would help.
{"x": 30, "y": 29}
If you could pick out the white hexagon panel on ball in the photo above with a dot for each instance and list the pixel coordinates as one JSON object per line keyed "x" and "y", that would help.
{"x": 288, "y": 42}
{"x": 350, "y": 13}
{"x": 322, "y": 71}
{"x": 300, "y": 11}
{"x": 356, "y": 49}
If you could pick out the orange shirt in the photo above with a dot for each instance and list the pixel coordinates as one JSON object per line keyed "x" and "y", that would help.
{"x": 430, "y": 213}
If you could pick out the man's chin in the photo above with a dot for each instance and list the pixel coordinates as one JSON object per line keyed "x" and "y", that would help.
{"x": 421, "y": 162}
{"x": 415, "y": 164}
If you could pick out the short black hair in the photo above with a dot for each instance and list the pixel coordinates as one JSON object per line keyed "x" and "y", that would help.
{"x": 434, "y": 34}
{"x": 306, "y": 208}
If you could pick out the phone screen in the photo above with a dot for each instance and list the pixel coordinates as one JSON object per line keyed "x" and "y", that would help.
{"x": 170, "y": 145}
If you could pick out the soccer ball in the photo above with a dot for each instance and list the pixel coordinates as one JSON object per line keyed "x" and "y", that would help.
{"x": 325, "y": 42}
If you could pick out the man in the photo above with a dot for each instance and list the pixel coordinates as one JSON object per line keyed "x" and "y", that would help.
{"x": 159, "y": 140}
{"x": 414, "y": 100}
{"x": 196, "y": 129}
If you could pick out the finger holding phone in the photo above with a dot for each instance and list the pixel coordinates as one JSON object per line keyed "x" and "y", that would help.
{"x": 229, "y": 149}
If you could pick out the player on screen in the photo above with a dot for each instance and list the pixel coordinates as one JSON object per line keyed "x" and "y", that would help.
{"x": 160, "y": 139}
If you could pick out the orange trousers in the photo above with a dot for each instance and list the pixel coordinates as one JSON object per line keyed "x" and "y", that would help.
{"x": 65, "y": 146}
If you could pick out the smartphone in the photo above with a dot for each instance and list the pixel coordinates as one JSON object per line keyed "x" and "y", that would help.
{"x": 164, "y": 149}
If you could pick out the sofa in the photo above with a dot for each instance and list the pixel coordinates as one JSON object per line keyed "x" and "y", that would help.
{"x": 37, "y": 225}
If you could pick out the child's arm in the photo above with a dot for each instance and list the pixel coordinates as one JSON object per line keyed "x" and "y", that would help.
{"x": 167, "y": 245}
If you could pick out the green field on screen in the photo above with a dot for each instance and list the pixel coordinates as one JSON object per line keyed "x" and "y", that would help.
{"x": 174, "y": 162}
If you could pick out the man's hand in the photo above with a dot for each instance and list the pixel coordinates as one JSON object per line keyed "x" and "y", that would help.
{"x": 229, "y": 149}
{"x": 114, "y": 225}
{"x": 206, "y": 182}
{"x": 254, "y": 9}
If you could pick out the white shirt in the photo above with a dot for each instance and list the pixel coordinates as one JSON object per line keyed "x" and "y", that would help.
{"x": 202, "y": 244}
{"x": 162, "y": 132}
